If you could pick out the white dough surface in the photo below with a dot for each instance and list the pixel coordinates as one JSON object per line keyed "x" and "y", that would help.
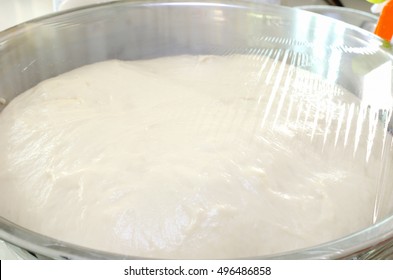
{"x": 190, "y": 157}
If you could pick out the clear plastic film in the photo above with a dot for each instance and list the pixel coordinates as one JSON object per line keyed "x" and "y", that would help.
{"x": 260, "y": 126}
{"x": 59, "y": 5}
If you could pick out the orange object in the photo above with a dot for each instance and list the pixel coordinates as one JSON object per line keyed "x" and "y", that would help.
{"x": 384, "y": 27}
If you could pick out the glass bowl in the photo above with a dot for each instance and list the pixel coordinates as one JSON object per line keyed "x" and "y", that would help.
{"x": 131, "y": 30}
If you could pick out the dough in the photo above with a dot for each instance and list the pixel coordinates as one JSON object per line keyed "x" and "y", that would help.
{"x": 191, "y": 157}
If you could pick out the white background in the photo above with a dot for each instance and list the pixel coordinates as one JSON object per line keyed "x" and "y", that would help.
{"x": 304, "y": 270}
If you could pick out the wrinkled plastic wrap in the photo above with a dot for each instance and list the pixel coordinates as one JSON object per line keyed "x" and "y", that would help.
{"x": 292, "y": 108}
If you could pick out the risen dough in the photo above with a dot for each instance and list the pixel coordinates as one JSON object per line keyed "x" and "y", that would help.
{"x": 189, "y": 157}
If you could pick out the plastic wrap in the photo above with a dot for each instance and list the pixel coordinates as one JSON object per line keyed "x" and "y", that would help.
{"x": 298, "y": 118}
{"x": 60, "y": 5}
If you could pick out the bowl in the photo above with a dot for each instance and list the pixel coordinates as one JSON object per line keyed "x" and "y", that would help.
{"x": 132, "y": 30}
